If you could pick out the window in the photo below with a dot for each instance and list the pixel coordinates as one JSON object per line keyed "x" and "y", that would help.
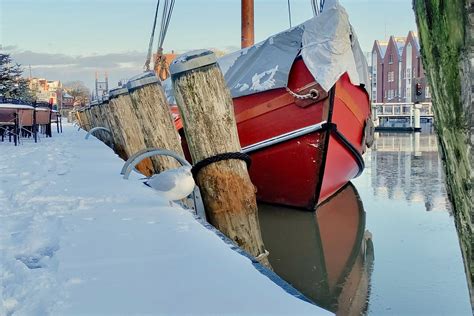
{"x": 391, "y": 76}
{"x": 390, "y": 94}
{"x": 390, "y": 59}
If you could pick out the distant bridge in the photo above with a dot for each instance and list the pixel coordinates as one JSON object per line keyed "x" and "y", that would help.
{"x": 384, "y": 114}
{"x": 400, "y": 110}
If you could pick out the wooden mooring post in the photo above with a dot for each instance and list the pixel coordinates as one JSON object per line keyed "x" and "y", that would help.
{"x": 207, "y": 112}
{"x": 87, "y": 116}
{"x": 151, "y": 108}
{"x": 79, "y": 114}
{"x": 125, "y": 128}
{"x": 104, "y": 121}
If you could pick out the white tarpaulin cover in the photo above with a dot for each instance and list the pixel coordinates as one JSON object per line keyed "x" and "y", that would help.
{"x": 327, "y": 44}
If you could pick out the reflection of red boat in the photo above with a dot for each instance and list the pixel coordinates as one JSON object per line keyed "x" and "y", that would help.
{"x": 327, "y": 255}
{"x": 305, "y": 143}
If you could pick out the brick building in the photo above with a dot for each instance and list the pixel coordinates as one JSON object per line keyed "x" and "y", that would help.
{"x": 68, "y": 101}
{"x": 49, "y": 91}
{"x": 377, "y": 67}
{"x": 397, "y": 71}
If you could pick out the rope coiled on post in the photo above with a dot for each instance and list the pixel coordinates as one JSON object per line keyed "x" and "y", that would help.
{"x": 220, "y": 157}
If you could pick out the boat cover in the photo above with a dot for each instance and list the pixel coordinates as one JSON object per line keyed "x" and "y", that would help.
{"x": 327, "y": 44}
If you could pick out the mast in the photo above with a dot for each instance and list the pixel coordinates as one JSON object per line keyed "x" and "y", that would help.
{"x": 247, "y": 38}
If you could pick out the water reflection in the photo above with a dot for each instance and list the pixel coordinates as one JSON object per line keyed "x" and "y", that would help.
{"x": 327, "y": 255}
{"x": 407, "y": 166}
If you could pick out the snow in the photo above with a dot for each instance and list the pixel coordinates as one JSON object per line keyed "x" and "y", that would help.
{"x": 15, "y": 106}
{"x": 77, "y": 239}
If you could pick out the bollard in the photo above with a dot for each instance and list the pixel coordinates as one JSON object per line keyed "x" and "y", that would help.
{"x": 207, "y": 112}
{"x": 102, "y": 109}
{"x": 95, "y": 120}
{"x": 125, "y": 128}
{"x": 152, "y": 111}
{"x": 80, "y": 117}
{"x": 87, "y": 116}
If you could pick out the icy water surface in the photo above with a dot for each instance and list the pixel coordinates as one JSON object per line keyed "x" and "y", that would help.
{"x": 385, "y": 244}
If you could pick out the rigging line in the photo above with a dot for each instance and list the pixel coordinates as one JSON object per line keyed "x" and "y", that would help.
{"x": 168, "y": 19}
{"x": 163, "y": 18}
{"x": 289, "y": 12}
{"x": 314, "y": 6}
{"x": 150, "y": 45}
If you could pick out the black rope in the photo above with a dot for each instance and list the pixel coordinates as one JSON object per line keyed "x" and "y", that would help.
{"x": 219, "y": 157}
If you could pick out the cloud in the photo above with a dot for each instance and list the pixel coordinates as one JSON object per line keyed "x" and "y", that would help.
{"x": 8, "y": 48}
{"x": 53, "y": 66}
{"x": 69, "y": 68}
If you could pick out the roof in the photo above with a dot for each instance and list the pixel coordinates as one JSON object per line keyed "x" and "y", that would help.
{"x": 414, "y": 36}
{"x": 382, "y": 47}
{"x": 400, "y": 43}
{"x": 67, "y": 95}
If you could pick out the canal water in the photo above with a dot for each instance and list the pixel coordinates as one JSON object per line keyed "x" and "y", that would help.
{"x": 385, "y": 244}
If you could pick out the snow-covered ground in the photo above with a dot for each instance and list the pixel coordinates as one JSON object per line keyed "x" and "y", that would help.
{"x": 77, "y": 239}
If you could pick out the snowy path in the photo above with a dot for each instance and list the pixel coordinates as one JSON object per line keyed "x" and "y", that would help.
{"x": 77, "y": 239}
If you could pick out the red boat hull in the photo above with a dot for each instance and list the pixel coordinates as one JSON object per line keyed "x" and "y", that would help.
{"x": 305, "y": 170}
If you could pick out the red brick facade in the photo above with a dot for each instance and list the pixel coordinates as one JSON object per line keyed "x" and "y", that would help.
{"x": 397, "y": 71}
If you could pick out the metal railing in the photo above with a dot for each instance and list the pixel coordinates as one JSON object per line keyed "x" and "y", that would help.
{"x": 401, "y": 110}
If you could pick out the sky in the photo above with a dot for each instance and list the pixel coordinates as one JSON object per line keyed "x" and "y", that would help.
{"x": 72, "y": 39}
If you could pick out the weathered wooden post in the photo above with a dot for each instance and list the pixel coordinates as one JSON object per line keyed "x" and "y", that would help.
{"x": 105, "y": 122}
{"x": 151, "y": 108}
{"x": 87, "y": 116}
{"x": 95, "y": 120}
{"x": 115, "y": 126}
{"x": 207, "y": 111}
{"x": 125, "y": 128}
{"x": 79, "y": 117}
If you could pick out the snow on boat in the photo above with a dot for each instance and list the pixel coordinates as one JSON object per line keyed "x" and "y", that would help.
{"x": 302, "y": 110}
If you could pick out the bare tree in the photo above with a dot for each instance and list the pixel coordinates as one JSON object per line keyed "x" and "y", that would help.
{"x": 78, "y": 90}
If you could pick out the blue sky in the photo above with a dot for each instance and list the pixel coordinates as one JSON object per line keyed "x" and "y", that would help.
{"x": 71, "y": 39}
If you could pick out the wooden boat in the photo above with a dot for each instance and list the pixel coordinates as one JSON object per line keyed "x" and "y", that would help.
{"x": 303, "y": 117}
{"x": 327, "y": 255}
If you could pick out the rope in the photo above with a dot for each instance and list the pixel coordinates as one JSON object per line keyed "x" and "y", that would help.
{"x": 312, "y": 94}
{"x": 317, "y": 6}
{"x": 161, "y": 66}
{"x": 314, "y": 6}
{"x": 219, "y": 157}
{"x": 289, "y": 12}
{"x": 262, "y": 255}
{"x": 150, "y": 45}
